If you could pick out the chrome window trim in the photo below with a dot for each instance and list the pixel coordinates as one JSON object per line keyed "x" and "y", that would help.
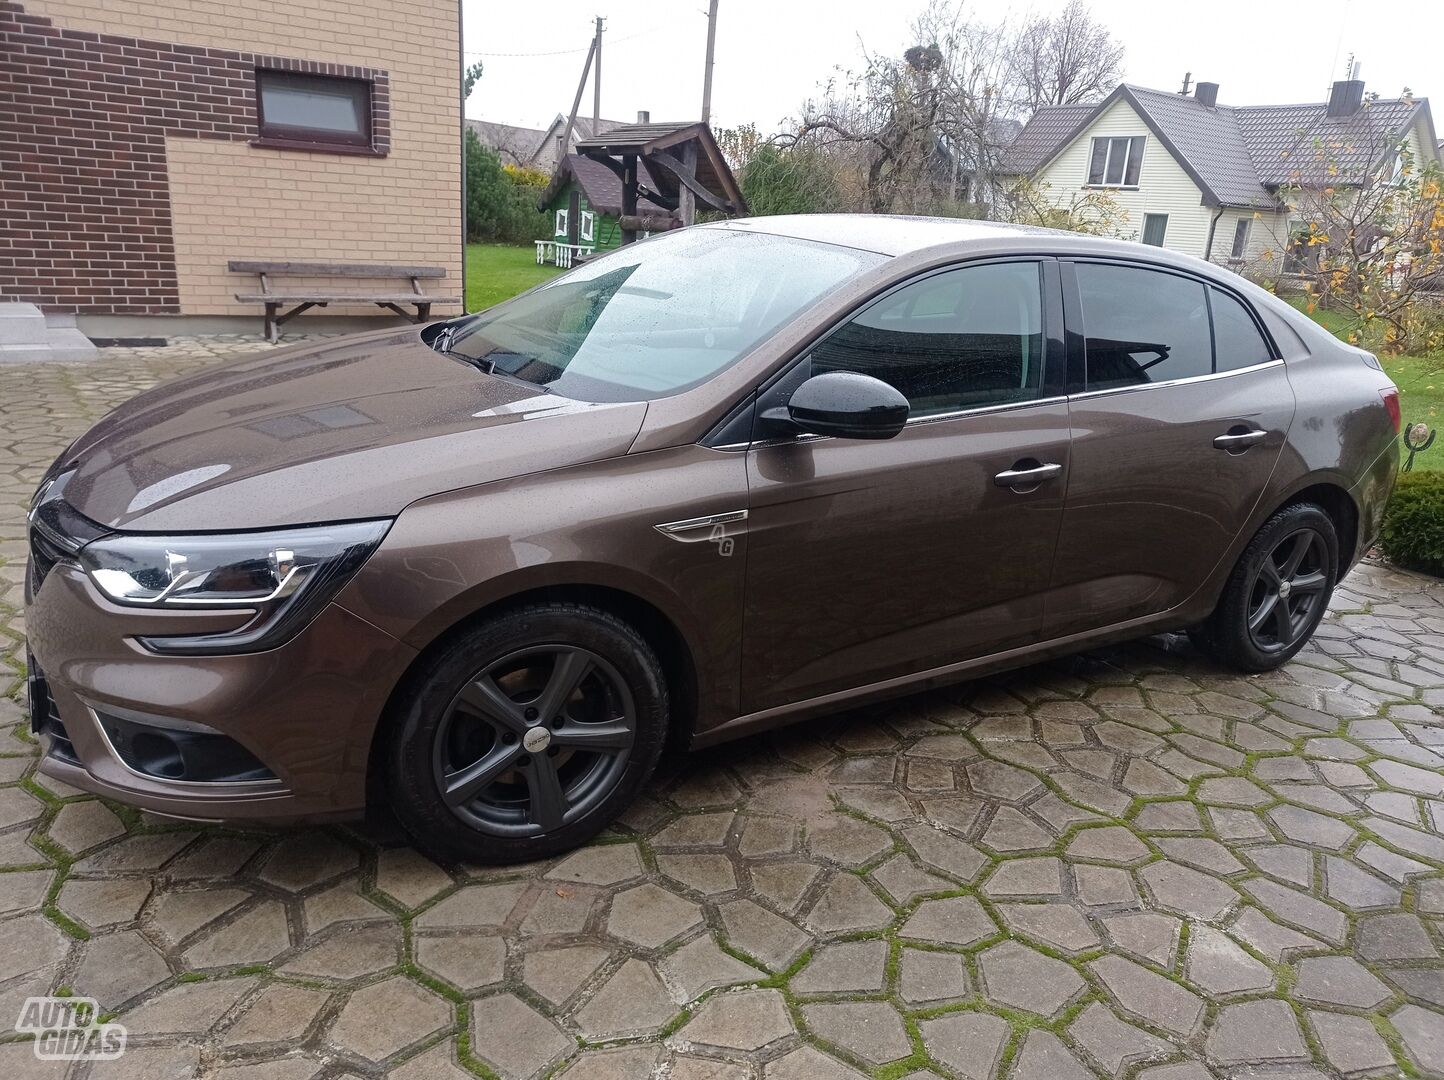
{"x": 1211, "y": 376}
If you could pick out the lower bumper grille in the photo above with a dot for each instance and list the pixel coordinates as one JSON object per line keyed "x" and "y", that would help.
{"x": 45, "y": 716}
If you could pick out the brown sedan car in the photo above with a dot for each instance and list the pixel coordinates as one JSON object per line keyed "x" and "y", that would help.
{"x": 718, "y": 481}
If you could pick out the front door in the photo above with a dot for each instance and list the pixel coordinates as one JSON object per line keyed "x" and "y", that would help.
{"x": 574, "y": 216}
{"x": 1181, "y": 419}
{"x": 874, "y": 560}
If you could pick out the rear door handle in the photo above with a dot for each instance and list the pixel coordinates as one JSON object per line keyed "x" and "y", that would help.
{"x": 1026, "y": 475}
{"x": 1239, "y": 439}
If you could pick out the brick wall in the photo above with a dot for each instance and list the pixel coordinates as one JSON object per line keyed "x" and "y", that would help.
{"x": 128, "y": 169}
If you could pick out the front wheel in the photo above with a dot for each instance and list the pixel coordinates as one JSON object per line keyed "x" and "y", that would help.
{"x": 527, "y": 734}
{"x": 1277, "y": 593}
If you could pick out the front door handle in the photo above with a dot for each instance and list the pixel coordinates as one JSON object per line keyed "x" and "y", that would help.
{"x": 1026, "y": 475}
{"x": 1239, "y": 439}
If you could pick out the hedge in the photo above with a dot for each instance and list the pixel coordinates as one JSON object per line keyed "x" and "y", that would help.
{"x": 1413, "y": 534}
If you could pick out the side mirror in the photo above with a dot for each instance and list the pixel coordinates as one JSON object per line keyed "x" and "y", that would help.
{"x": 848, "y": 405}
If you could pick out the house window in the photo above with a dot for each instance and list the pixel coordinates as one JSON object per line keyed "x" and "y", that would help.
{"x": 1115, "y": 162}
{"x": 589, "y": 225}
{"x": 318, "y": 111}
{"x": 1154, "y": 228}
{"x": 1240, "y": 237}
{"x": 561, "y": 224}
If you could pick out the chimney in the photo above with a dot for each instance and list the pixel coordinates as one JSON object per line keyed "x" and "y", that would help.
{"x": 1206, "y": 93}
{"x": 643, "y": 116}
{"x": 1346, "y": 97}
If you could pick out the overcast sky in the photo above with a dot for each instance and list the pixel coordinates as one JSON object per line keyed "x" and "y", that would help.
{"x": 773, "y": 54}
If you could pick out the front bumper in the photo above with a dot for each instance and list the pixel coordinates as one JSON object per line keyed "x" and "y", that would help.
{"x": 306, "y": 710}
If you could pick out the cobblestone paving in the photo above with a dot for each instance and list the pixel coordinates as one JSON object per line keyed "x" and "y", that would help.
{"x": 1129, "y": 864}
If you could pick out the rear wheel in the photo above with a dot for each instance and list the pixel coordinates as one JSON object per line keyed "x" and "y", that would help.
{"x": 1277, "y": 593}
{"x": 527, "y": 734}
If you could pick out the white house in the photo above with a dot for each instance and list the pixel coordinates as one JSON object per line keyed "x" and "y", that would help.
{"x": 1204, "y": 178}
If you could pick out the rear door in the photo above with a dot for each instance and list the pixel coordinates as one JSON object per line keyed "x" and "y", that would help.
{"x": 1181, "y": 410}
{"x": 873, "y": 560}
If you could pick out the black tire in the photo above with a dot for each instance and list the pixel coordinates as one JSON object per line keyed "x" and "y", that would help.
{"x": 1299, "y": 546}
{"x": 550, "y": 769}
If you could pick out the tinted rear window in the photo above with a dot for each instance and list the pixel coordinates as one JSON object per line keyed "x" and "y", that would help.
{"x": 1142, "y": 326}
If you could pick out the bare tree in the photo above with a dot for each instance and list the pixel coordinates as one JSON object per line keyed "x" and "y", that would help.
{"x": 920, "y": 133}
{"x": 1065, "y": 59}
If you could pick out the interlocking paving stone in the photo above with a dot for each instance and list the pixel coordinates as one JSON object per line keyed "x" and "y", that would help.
{"x": 1256, "y": 1031}
{"x": 1114, "y": 1043}
{"x": 929, "y": 978}
{"x": 1150, "y": 996}
{"x": 968, "y": 1043}
{"x": 958, "y": 920}
{"x": 1061, "y": 926}
{"x": 1338, "y": 980}
{"x": 870, "y": 1030}
{"x": 1299, "y": 816}
{"x": 633, "y": 1001}
{"x": 853, "y": 966}
{"x": 281, "y": 1013}
{"x": 381, "y": 1019}
{"x": 1044, "y": 1057}
{"x": 1350, "y": 1043}
{"x": 513, "y": 1038}
{"x": 1217, "y": 965}
{"x": 556, "y": 974}
{"x": 1018, "y": 977}
{"x": 1423, "y": 1036}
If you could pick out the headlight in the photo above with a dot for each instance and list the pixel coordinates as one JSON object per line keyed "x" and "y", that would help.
{"x": 285, "y": 576}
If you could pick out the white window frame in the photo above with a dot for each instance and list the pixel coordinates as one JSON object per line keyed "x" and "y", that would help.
{"x": 1144, "y": 231}
{"x": 1113, "y": 142}
{"x": 1242, "y": 229}
{"x": 560, "y": 226}
{"x": 588, "y": 226}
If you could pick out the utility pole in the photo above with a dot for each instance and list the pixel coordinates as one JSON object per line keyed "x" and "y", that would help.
{"x": 707, "y": 75}
{"x": 565, "y": 148}
{"x": 597, "y": 82}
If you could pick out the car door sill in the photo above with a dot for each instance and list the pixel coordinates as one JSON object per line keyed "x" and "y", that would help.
{"x": 918, "y": 681}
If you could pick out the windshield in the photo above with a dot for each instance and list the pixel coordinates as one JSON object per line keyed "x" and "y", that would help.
{"x": 657, "y": 317}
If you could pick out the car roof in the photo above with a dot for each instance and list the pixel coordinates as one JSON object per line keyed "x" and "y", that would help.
{"x": 886, "y": 234}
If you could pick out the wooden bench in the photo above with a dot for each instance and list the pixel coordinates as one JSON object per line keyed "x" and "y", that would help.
{"x": 304, "y": 298}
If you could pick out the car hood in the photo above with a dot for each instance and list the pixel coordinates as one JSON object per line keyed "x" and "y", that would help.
{"x": 356, "y": 427}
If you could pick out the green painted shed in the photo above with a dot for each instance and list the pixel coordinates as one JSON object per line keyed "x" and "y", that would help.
{"x": 584, "y": 203}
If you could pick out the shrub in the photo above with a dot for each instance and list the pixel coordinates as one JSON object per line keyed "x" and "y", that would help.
{"x": 1413, "y": 535}
{"x": 501, "y": 201}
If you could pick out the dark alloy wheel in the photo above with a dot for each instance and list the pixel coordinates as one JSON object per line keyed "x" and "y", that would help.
{"x": 534, "y": 740}
{"x": 526, "y": 734}
{"x": 1277, "y": 593}
{"x": 1291, "y": 584}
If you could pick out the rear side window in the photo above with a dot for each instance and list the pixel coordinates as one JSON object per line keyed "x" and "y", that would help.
{"x": 962, "y": 339}
{"x": 1236, "y": 338}
{"x": 1142, "y": 326}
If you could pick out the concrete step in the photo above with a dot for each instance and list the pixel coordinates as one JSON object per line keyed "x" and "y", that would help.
{"x": 22, "y": 324}
{"x": 60, "y": 344}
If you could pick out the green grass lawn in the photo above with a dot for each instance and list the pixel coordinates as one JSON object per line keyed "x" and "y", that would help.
{"x": 497, "y": 272}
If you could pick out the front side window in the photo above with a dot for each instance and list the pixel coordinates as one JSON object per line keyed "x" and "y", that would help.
{"x": 1116, "y": 161}
{"x": 961, "y": 339}
{"x": 318, "y": 109}
{"x": 1237, "y": 342}
{"x": 1142, "y": 326}
{"x": 1240, "y": 237}
{"x": 657, "y": 317}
